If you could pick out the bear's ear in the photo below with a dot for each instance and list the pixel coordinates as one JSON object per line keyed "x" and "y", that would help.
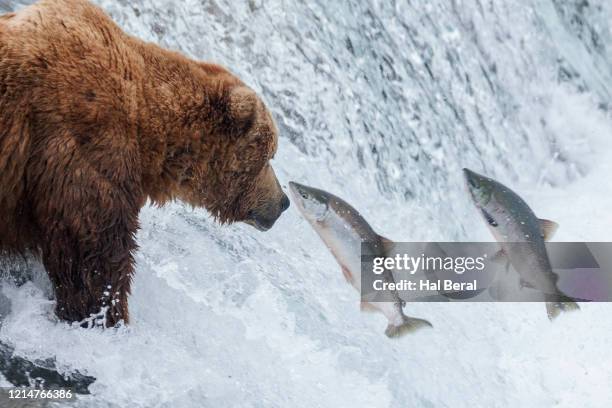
{"x": 242, "y": 104}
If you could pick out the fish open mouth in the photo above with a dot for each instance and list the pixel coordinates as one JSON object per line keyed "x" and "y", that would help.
{"x": 470, "y": 178}
{"x": 311, "y": 202}
{"x": 475, "y": 188}
{"x": 297, "y": 191}
{"x": 469, "y": 188}
{"x": 298, "y": 196}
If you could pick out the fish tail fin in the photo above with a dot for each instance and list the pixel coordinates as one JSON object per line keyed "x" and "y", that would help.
{"x": 559, "y": 303}
{"x": 408, "y": 325}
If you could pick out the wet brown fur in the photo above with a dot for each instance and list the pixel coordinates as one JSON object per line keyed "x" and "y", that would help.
{"x": 92, "y": 123}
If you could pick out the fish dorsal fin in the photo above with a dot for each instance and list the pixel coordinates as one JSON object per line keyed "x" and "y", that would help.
{"x": 548, "y": 228}
{"x": 387, "y": 244}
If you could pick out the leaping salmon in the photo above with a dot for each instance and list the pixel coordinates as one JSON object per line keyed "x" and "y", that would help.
{"x": 343, "y": 230}
{"x": 521, "y": 236}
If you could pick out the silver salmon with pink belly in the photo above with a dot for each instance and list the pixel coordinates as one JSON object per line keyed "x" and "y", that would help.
{"x": 521, "y": 236}
{"x": 343, "y": 230}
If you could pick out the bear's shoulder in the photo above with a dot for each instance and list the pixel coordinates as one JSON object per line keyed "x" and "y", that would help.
{"x": 57, "y": 20}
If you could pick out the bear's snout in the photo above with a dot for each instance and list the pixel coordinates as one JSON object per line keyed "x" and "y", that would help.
{"x": 263, "y": 219}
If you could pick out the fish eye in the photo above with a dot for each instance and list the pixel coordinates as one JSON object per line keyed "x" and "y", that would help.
{"x": 304, "y": 195}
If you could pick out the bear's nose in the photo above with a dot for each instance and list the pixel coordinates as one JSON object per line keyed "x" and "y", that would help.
{"x": 284, "y": 203}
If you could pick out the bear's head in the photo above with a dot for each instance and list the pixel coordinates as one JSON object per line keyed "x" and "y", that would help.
{"x": 228, "y": 171}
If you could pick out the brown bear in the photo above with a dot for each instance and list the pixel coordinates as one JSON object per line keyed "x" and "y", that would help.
{"x": 92, "y": 123}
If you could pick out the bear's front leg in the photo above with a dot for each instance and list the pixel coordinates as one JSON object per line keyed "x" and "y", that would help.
{"x": 85, "y": 200}
{"x": 91, "y": 273}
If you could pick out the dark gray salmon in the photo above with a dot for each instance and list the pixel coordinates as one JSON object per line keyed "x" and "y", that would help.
{"x": 521, "y": 236}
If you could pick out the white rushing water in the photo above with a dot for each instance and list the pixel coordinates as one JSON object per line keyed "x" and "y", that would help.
{"x": 382, "y": 103}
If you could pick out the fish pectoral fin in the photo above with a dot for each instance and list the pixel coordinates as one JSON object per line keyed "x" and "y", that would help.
{"x": 347, "y": 275}
{"x": 499, "y": 257}
{"x": 548, "y": 228}
{"x": 367, "y": 307}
